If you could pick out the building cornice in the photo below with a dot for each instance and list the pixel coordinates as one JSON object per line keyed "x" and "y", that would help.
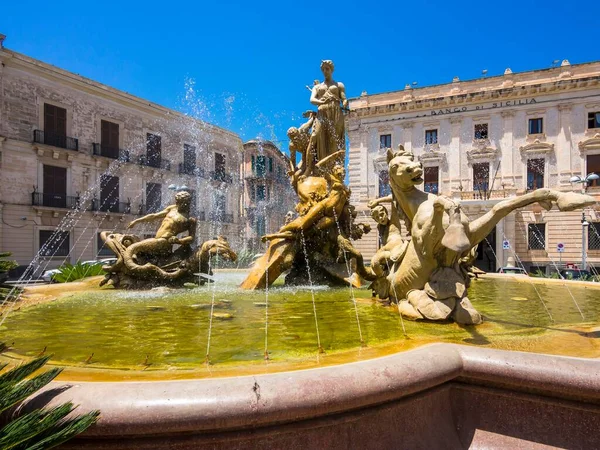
{"x": 458, "y": 103}
{"x": 25, "y": 63}
{"x": 537, "y": 147}
{"x": 592, "y": 143}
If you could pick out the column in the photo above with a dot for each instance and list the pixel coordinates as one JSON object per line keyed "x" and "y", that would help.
{"x": 508, "y": 149}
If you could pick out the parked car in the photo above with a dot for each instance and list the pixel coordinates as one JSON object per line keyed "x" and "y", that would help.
{"x": 575, "y": 274}
{"x": 48, "y": 274}
{"x": 513, "y": 271}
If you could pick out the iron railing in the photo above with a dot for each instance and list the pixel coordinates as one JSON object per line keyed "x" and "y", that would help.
{"x": 56, "y": 140}
{"x": 185, "y": 169}
{"x": 220, "y": 176}
{"x": 157, "y": 163}
{"x": 218, "y": 216}
{"x": 110, "y": 152}
{"x": 111, "y": 205}
{"x": 54, "y": 200}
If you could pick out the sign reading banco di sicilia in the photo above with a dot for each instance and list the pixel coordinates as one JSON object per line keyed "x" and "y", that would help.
{"x": 461, "y": 109}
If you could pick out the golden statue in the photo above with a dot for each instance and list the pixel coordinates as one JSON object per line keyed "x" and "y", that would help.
{"x": 143, "y": 263}
{"x": 330, "y": 98}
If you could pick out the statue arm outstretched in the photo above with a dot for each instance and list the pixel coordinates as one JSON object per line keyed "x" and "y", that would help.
{"x": 313, "y": 98}
{"x": 149, "y": 218}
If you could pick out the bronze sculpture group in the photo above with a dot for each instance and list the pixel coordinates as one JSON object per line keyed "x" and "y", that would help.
{"x": 426, "y": 272}
{"x": 143, "y": 263}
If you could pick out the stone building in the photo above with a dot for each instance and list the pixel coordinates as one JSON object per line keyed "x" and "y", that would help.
{"x": 268, "y": 195}
{"x": 81, "y": 157}
{"x": 487, "y": 139}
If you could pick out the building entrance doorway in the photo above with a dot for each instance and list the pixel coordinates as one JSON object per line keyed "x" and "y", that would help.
{"x": 486, "y": 253}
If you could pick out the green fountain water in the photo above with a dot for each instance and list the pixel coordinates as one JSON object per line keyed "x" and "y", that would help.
{"x": 168, "y": 329}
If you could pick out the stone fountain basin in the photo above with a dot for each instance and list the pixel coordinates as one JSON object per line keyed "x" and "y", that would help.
{"x": 437, "y": 396}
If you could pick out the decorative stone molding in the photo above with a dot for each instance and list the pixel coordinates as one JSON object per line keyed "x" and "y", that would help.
{"x": 408, "y": 125}
{"x": 481, "y": 143}
{"x": 536, "y": 147}
{"x": 535, "y": 137}
{"x": 455, "y": 120}
{"x": 385, "y": 128}
{"x": 565, "y": 107}
{"x": 482, "y": 153}
{"x": 592, "y": 143}
{"x": 432, "y": 156}
{"x": 507, "y": 114}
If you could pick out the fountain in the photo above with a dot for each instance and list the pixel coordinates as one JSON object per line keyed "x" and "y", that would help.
{"x": 208, "y": 367}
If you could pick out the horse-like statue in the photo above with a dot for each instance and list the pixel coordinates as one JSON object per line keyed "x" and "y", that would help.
{"x": 429, "y": 277}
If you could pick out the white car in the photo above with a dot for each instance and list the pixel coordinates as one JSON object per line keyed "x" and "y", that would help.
{"x": 48, "y": 274}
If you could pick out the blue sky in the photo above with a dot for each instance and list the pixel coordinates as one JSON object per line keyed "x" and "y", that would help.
{"x": 246, "y": 65}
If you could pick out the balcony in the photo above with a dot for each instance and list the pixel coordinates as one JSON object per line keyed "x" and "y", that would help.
{"x": 158, "y": 163}
{"x": 219, "y": 216}
{"x": 55, "y": 140}
{"x": 191, "y": 170}
{"x": 485, "y": 195}
{"x": 110, "y": 152}
{"x": 220, "y": 176}
{"x": 54, "y": 200}
{"x": 113, "y": 205}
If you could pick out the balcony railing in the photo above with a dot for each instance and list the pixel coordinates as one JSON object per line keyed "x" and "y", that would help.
{"x": 484, "y": 195}
{"x": 54, "y": 200}
{"x": 110, "y": 152}
{"x": 218, "y": 216}
{"x": 158, "y": 163}
{"x": 220, "y": 176}
{"x": 200, "y": 215}
{"x": 113, "y": 205}
{"x": 185, "y": 169}
{"x": 56, "y": 140}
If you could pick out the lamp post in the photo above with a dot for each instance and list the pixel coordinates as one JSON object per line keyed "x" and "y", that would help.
{"x": 585, "y": 181}
{"x": 584, "y": 225}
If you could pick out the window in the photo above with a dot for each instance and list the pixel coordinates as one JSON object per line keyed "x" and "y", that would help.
{"x": 260, "y": 226}
{"x": 220, "y": 205}
{"x": 55, "y": 126}
{"x": 535, "y": 173}
{"x": 55, "y": 186}
{"x": 481, "y": 177}
{"x": 270, "y": 164}
{"x": 153, "y": 197}
{"x": 384, "y": 183}
{"x": 153, "y": 149}
{"x": 54, "y": 243}
{"x": 536, "y": 126}
{"x": 431, "y": 179}
{"x": 109, "y": 193}
{"x": 536, "y": 236}
{"x": 261, "y": 166}
{"x": 103, "y": 249}
{"x": 109, "y": 139}
{"x": 385, "y": 141}
{"x": 193, "y": 203}
{"x": 481, "y": 131}
{"x": 593, "y": 165}
{"x": 594, "y": 119}
{"x": 261, "y": 193}
{"x": 431, "y": 137}
{"x": 594, "y": 236}
{"x": 189, "y": 159}
{"x": 219, "y": 164}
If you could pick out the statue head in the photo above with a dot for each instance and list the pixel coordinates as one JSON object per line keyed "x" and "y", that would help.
{"x": 183, "y": 199}
{"x": 380, "y": 215}
{"x": 339, "y": 171}
{"x": 404, "y": 171}
{"x": 327, "y": 68}
{"x": 293, "y": 132}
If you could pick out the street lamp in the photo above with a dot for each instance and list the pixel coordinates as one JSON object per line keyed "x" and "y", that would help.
{"x": 584, "y": 224}
{"x": 585, "y": 181}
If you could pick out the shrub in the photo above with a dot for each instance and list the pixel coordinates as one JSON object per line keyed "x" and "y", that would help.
{"x": 5, "y": 266}
{"x": 77, "y": 271}
{"x": 41, "y": 428}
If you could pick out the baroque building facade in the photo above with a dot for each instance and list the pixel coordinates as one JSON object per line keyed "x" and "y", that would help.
{"x": 486, "y": 139}
{"x": 268, "y": 195}
{"x": 80, "y": 157}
